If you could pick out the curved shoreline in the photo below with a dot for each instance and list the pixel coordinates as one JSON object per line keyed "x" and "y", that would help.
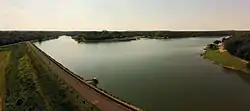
{"x": 226, "y": 66}
{"x": 218, "y": 54}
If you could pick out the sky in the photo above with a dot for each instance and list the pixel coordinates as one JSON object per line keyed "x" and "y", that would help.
{"x": 124, "y": 14}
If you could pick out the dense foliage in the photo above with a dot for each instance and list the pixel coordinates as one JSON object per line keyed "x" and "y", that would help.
{"x": 239, "y": 46}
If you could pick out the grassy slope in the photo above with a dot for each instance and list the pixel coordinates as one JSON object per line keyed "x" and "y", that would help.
{"x": 24, "y": 84}
{"x": 30, "y": 81}
{"x": 68, "y": 98}
{"x": 51, "y": 85}
{"x": 225, "y": 59}
{"x": 3, "y": 63}
{"x": 22, "y": 93}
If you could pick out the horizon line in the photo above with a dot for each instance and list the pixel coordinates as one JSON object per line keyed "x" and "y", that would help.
{"x": 116, "y": 30}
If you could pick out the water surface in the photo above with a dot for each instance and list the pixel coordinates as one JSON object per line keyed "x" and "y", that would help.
{"x": 156, "y": 75}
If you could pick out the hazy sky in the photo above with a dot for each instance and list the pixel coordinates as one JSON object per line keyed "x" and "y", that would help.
{"x": 125, "y": 14}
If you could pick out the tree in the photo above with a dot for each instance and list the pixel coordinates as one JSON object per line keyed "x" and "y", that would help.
{"x": 239, "y": 46}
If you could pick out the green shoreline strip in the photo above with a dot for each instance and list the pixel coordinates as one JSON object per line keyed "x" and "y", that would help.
{"x": 226, "y": 60}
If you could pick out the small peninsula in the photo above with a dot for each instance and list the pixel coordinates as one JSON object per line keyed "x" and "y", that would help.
{"x": 220, "y": 53}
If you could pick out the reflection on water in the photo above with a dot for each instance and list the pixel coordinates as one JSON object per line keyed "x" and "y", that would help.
{"x": 244, "y": 77}
{"x": 157, "y": 75}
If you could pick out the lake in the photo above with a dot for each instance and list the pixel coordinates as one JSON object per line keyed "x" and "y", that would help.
{"x": 156, "y": 75}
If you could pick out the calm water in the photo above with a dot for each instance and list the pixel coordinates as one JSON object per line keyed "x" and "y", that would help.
{"x": 156, "y": 75}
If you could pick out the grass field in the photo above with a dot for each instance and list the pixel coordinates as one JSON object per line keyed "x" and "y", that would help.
{"x": 4, "y": 55}
{"x": 225, "y": 59}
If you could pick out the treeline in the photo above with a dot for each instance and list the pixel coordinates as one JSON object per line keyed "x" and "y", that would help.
{"x": 176, "y": 34}
{"x": 104, "y": 35}
{"x": 239, "y": 46}
{"x": 9, "y": 37}
{"x": 169, "y": 34}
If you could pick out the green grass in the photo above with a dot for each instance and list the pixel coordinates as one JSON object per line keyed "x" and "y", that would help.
{"x": 4, "y": 59}
{"x": 22, "y": 92}
{"x": 226, "y": 59}
{"x": 51, "y": 87}
{"x": 3, "y": 63}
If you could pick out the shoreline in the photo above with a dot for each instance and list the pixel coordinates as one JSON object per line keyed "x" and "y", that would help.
{"x": 222, "y": 51}
{"x": 226, "y": 66}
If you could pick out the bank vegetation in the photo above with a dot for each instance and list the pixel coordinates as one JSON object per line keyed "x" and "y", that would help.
{"x": 231, "y": 52}
{"x": 27, "y": 84}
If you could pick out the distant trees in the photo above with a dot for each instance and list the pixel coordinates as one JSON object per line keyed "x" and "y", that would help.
{"x": 9, "y": 37}
{"x": 173, "y": 34}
